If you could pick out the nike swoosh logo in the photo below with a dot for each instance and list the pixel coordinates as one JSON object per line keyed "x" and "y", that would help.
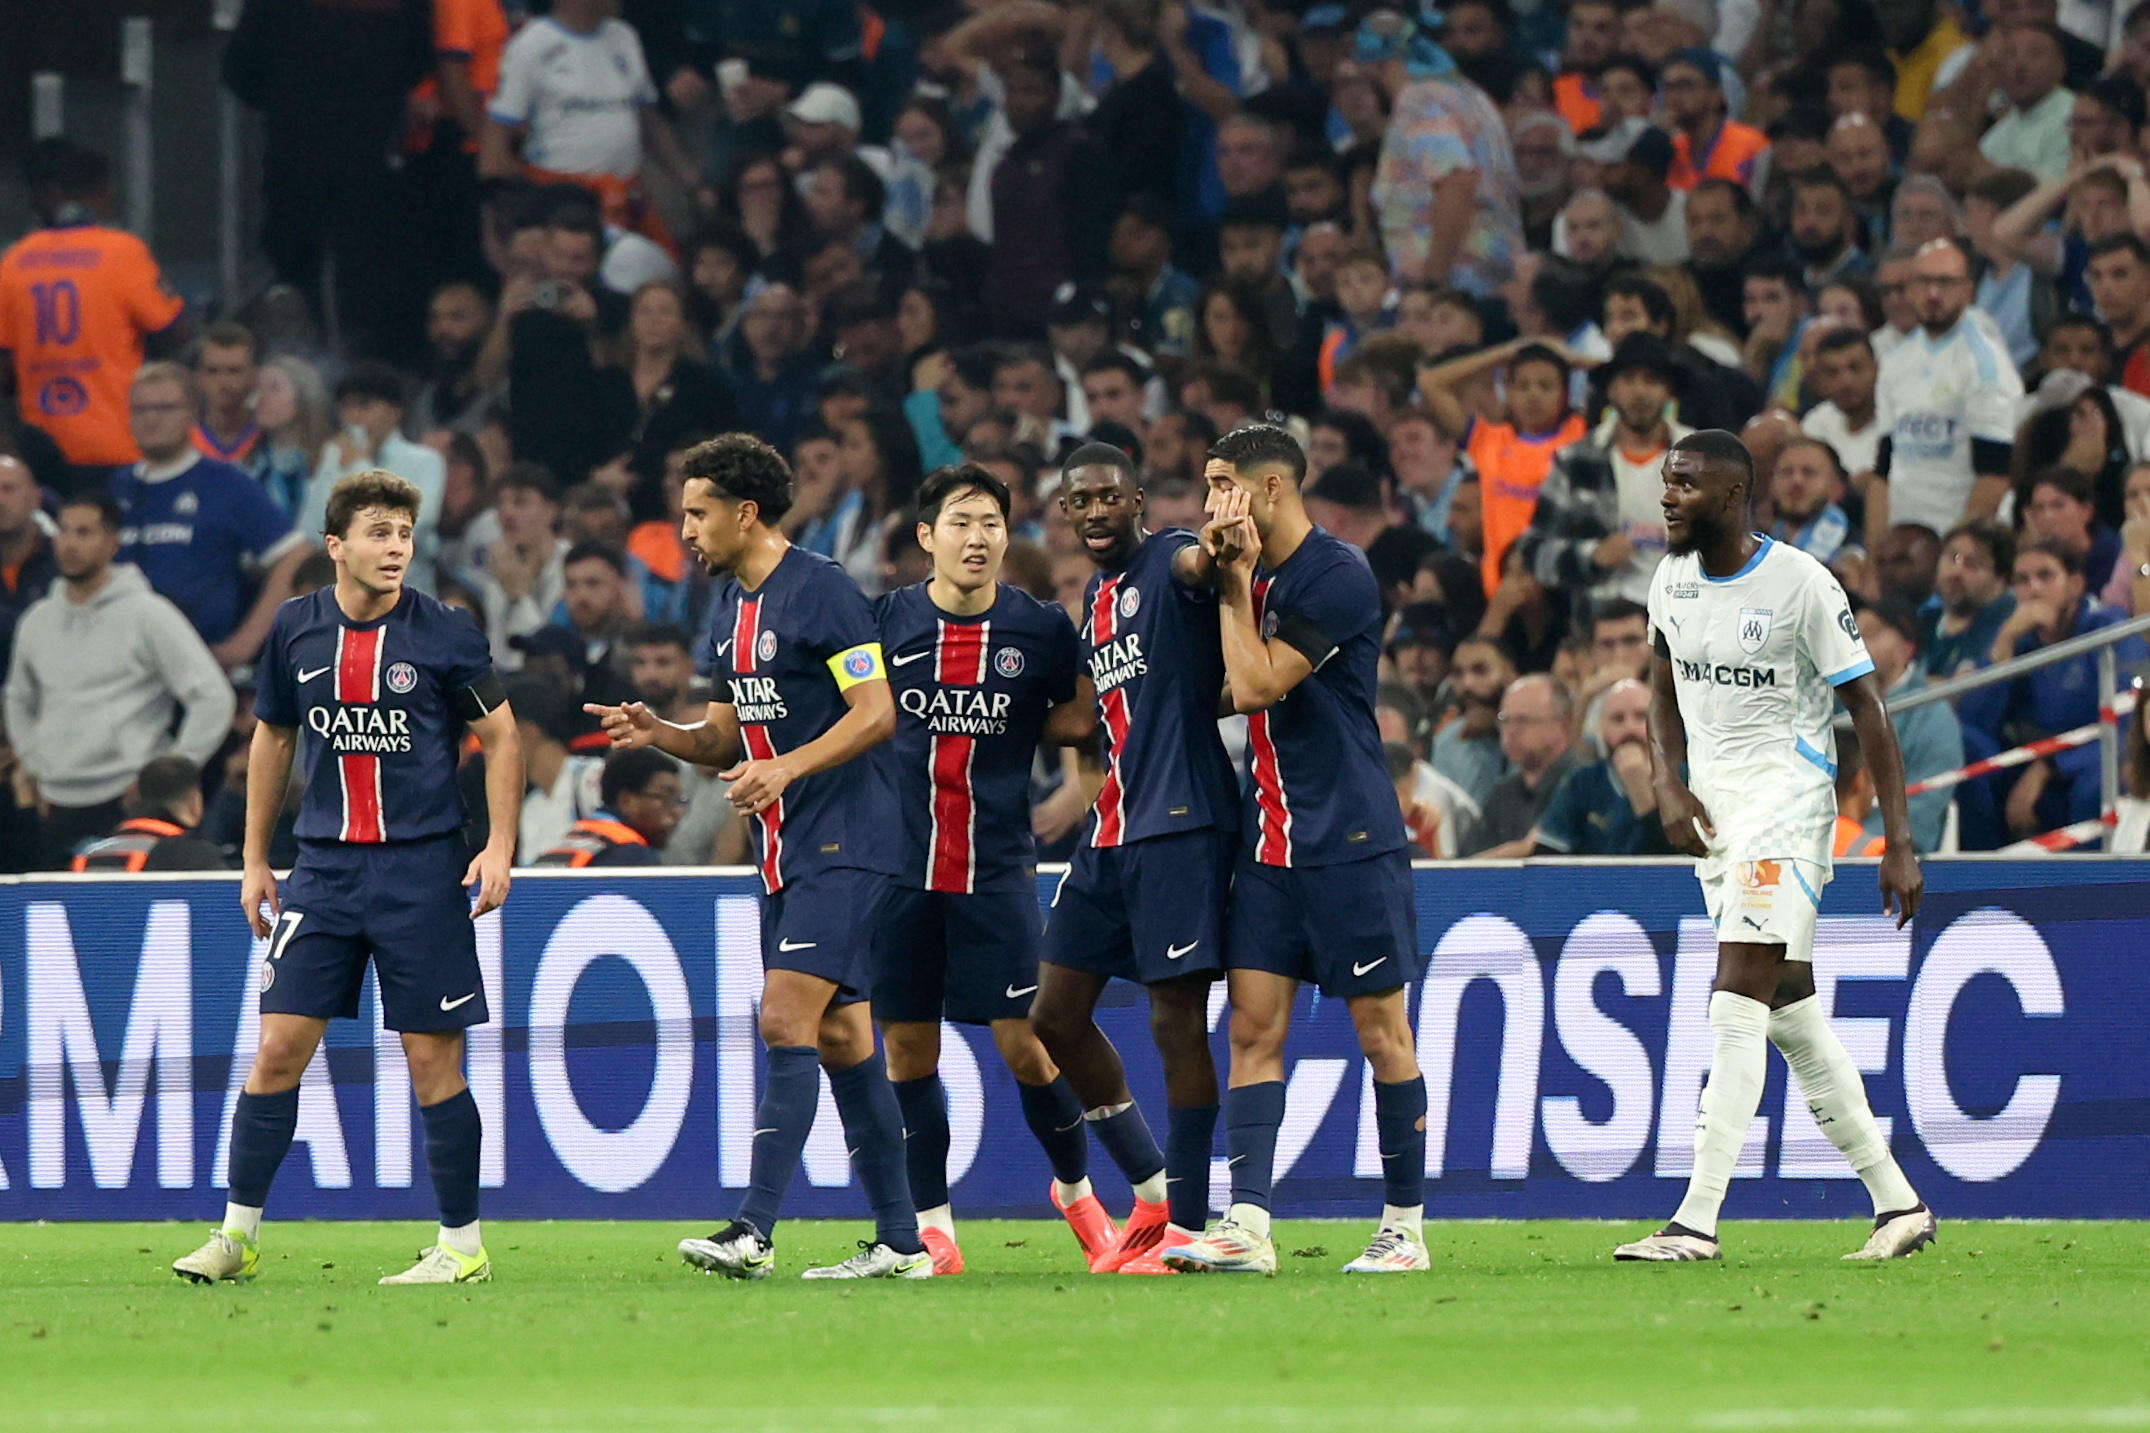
{"x": 1358, "y": 969}
{"x": 790, "y": 945}
{"x": 309, "y": 676}
{"x": 719, "y": 648}
{"x": 906, "y": 661}
{"x": 447, "y": 1004}
{"x": 1174, "y": 952}
{"x": 1014, "y": 994}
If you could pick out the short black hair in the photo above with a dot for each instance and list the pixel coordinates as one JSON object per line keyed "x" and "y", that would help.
{"x": 659, "y": 634}
{"x": 1362, "y": 440}
{"x": 612, "y": 557}
{"x": 1894, "y": 610}
{"x": 530, "y": 477}
{"x": 1880, "y": 69}
{"x": 1649, "y": 293}
{"x": 1822, "y": 177}
{"x": 375, "y": 381}
{"x": 109, "y": 513}
{"x": 1113, "y": 360}
{"x": 1836, "y": 340}
{"x": 161, "y": 785}
{"x": 629, "y": 773}
{"x": 1635, "y": 65}
{"x": 1732, "y": 189}
{"x": 1999, "y": 542}
{"x": 1801, "y": 121}
{"x": 953, "y": 481}
{"x": 65, "y": 169}
{"x": 1103, "y": 455}
{"x": 544, "y": 705}
{"x": 861, "y": 184}
{"x": 974, "y": 364}
{"x": 2070, "y": 560}
{"x": 1616, "y": 609}
{"x": 745, "y": 469}
{"x": 1230, "y": 385}
{"x": 1253, "y": 444}
{"x": 1539, "y": 353}
{"x": 2115, "y": 243}
{"x": 1715, "y": 445}
{"x": 1782, "y": 270}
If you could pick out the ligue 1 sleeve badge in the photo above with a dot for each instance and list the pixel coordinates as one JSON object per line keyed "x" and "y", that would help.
{"x": 402, "y": 676}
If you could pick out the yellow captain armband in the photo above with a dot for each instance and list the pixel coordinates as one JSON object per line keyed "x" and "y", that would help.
{"x": 857, "y": 664}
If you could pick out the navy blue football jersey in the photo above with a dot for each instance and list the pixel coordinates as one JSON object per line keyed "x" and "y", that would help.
{"x": 783, "y": 655}
{"x": 381, "y": 707}
{"x": 1157, "y": 659}
{"x": 1318, "y": 790}
{"x": 971, "y": 696}
{"x": 201, "y": 536}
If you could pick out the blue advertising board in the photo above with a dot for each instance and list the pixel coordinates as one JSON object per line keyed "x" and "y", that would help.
{"x": 1562, "y": 1026}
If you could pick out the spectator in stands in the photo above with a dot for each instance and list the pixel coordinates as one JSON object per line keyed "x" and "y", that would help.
{"x": 1907, "y": 562}
{"x": 1048, "y": 215}
{"x": 458, "y": 317}
{"x": 522, "y": 576}
{"x": 1608, "y": 808}
{"x": 2062, "y": 510}
{"x": 1805, "y": 492}
{"x": 1844, "y": 374}
{"x": 1420, "y": 648}
{"x": 291, "y": 407}
{"x": 773, "y": 377}
{"x": 2051, "y": 606}
{"x": 370, "y": 406}
{"x": 1862, "y": 80}
{"x": 1710, "y": 394}
{"x": 1113, "y": 390}
{"x": 202, "y": 533}
{"x": 161, "y": 832}
{"x": 1972, "y": 600}
{"x": 1707, "y": 143}
{"x": 1776, "y": 308}
{"x": 1439, "y": 814}
{"x": 1468, "y": 750}
{"x": 2129, "y": 587}
{"x": 1537, "y": 735}
{"x": 2033, "y": 134}
{"x": 69, "y": 348}
{"x": 846, "y": 199}
{"x": 1928, "y": 736}
{"x": 597, "y": 602}
{"x": 563, "y": 787}
{"x": 1347, "y": 500}
{"x": 226, "y": 366}
{"x": 105, "y": 675}
{"x": 676, "y": 392}
{"x": 640, "y": 792}
{"x": 1723, "y": 229}
{"x": 27, "y": 565}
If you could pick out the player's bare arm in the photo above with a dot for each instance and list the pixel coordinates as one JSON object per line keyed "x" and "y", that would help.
{"x": 1687, "y": 824}
{"x": 268, "y": 773}
{"x": 1902, "y": 883}
{"x": 712, "y": 741}
{"x": 1072, "y": 722}
{"x": 869, "y": 720}
{"x": 504, "y": 781}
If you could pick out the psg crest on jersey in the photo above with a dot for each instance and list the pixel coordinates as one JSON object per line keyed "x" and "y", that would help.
{"x": 765, "y": 649}
{"x": 402, "y": 676}
{"x": 1130, "y": 603}
{"x": 1269, "y": 625}
{"x": 1754, "y": 628}
{"x": 1008, "y": 661}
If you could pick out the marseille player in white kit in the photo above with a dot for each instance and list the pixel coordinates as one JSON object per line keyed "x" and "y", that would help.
{"x": 1753, "y": 642}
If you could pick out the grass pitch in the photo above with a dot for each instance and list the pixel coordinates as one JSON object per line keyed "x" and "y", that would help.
{"x": 1519, "y": 1326}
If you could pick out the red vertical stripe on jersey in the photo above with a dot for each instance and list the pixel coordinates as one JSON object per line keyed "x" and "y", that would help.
{"x": 1112, "y": 708}
{"x": 746, "y": 634}
{"x": 1272, "y": 842}
{"x": 952, "y": 859}
{"x": 358, "y": 681}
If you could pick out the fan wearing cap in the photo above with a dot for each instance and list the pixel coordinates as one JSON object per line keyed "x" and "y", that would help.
{"x": 1653, "y": 213}
{"x": 1706, "y": 142}
{"x": 1599, "y": 530}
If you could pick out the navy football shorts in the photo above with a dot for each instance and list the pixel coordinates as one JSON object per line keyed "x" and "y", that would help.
{"x": 400, "y": 904}
{"x": 1150, "y": 911}
{"x": 1351, "y": 928}
{"x": 969, "y": 958}
{"x": 822, "y": 924}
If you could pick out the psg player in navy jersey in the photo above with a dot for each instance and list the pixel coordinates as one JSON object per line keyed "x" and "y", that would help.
{"x": 1322, "y": 892}
{"x": 383, "y": 680}
{"x": 1144, "y": 897}
{"x": 982, "y": 671}
{"x": 797, "y": 724}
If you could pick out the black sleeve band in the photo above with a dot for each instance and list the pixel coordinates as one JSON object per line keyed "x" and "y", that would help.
{"x": 1305, "y": 638}
{"x": 1883, "y": 454}
{"x": 1990, "y": 458}
{"x": 479, "y": 698}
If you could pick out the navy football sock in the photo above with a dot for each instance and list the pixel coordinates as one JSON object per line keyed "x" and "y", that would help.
{"x": 1127, "y": 1138}
{"x": 454, "y": 1132}
{"x": 782, "y": 1122}
{"x": 873, "y": 1127}
{"x": 1400, "y": 1126}
{"x": 925, "y": 1138}
{"x": 261, "y": 1129}
{"x": 1253, "y": 1115}
{"x": 1055, "y": 1117}
{"x": 1187, "y": 1149}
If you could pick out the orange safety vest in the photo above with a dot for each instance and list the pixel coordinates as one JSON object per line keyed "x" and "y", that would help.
{"x": 1576, "y": 104}
{"x": 1732, "y": 156}
{"x": 127, "y": 849}
{"x": 588, "y": 839}
{"x": 1851, "y": 839}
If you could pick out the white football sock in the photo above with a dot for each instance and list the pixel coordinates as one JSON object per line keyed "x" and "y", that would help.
{"x": 1739, "y": 1057}
{"x": 1067, "y": 1194}
{"x": 941, "y": 1217}
{"x": 1411, "y": 1221}
{"x": 467, "y": 1240}
{"x": 1250, "y": 1217}
{"x": 1836, "y": 1095}
{"x": 243, "y": 1219}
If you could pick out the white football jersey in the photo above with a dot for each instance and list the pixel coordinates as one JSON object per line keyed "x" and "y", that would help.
{"x": 582, "y": 96}
{"x": 1933, "y": 398}
{"x": 1756, "y": 660}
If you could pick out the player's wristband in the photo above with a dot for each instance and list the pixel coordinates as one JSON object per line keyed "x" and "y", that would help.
{"x": 857, "y": 664}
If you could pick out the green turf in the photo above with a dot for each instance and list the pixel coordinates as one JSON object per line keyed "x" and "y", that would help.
{"x": 599, "y": 1327}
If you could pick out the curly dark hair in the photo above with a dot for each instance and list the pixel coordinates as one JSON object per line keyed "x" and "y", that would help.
{"x": 372, "y": 488}
{"x": 745, "y": 469}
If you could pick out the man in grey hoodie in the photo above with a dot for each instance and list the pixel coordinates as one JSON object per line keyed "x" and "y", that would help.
{"x": 101, "y": 666}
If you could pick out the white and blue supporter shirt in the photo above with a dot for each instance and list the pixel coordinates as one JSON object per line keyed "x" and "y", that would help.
{"x": 1935, "y": 398}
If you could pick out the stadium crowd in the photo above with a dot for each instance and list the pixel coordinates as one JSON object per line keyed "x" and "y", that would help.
{"x": 1490, "y": 260}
